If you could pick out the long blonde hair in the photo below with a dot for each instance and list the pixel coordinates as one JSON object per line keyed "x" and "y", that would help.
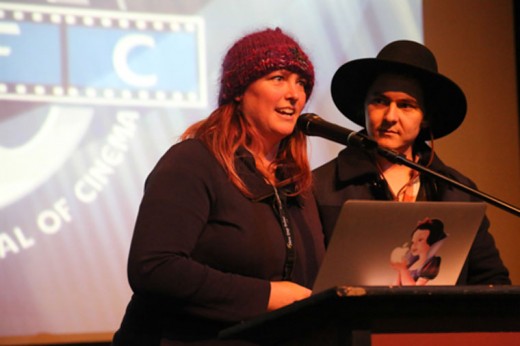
{"x": 226, "y": 130}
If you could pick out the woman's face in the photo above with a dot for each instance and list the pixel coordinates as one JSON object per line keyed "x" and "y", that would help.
{"x": 273, "y": 103}
{"x": 393, "y": 112}
{"x": 419, "y": 242}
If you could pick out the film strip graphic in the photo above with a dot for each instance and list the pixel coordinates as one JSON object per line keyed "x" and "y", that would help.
{"x": 71, "y": 55}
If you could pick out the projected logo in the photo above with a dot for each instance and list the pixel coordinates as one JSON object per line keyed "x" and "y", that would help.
{"x": 85, "y": 57}
{"x": 101, "y": 57}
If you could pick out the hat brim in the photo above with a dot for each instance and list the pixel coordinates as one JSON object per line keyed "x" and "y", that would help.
{"x": 445, "y": 102}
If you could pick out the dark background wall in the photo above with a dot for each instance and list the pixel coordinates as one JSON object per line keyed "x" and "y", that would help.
{"x": 474, "y": 42}
{"x": 516, "y": 23}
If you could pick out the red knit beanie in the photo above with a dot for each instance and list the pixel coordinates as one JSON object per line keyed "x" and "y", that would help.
{"x": 258, "y": 54}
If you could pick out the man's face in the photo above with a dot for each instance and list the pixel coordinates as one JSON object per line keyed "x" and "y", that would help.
{"x": 394, "y": 112}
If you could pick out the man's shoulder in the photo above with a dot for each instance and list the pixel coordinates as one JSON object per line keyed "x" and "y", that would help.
{"x": 325, "y": 169}
{"x": 451, "y": 172}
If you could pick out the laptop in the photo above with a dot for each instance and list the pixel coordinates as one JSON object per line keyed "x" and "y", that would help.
{"x": 384, "y": 243}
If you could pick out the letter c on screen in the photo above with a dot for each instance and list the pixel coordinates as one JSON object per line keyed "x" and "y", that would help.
{"x": 120, "y": 60}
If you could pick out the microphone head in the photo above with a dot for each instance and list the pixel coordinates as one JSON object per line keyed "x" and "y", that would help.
{"x": 305, "y": 120}
{"x": 312, "y": 125}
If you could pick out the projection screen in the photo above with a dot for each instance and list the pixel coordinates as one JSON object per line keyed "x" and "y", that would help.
{"x": 92, "y": 93}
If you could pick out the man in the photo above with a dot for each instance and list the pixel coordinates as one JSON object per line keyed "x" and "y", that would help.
{"x": 402, "y": 101}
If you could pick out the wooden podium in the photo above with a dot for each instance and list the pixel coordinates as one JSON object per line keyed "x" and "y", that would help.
{"x": 349, "y": 315}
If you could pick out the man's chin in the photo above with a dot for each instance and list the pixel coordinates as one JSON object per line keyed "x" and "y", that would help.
{"x": 392, "y": 145}
{"x": 388, "y": 143}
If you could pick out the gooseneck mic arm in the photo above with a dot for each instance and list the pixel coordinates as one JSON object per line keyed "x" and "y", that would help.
{"x": 312, "y": 125}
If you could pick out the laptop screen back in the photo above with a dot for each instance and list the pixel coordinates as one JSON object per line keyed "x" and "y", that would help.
{"x": 384, "y": 243}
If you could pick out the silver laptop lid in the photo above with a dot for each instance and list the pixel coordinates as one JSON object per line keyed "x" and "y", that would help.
{"x": 384, "y": 243}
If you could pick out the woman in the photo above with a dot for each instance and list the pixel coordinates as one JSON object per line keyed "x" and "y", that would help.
{"x": 228, "y": 228}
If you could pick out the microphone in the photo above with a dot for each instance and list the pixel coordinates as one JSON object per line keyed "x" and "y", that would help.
{"x": 312, "y": 125}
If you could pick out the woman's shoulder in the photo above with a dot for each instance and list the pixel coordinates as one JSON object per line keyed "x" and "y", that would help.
{"x": 189, "y": 162}
{"x": 188, "y": 147}
{"x": 188, "y": 150}
{"x": 188, "y": 155}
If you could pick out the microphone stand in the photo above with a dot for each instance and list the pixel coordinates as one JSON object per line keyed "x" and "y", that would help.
{"x": 400, "y": 159}
{"x": 312, "y": 125}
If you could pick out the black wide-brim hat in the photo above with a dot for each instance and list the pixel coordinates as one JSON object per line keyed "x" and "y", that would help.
{"x": 445, "y": 102}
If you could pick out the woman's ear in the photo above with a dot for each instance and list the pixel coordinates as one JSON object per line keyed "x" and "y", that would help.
{"x": 238, "y": 98}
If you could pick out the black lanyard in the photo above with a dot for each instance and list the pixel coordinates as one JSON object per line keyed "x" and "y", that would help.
{"x": 288, "y": 236}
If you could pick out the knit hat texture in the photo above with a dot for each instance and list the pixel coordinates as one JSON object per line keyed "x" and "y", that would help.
{"x": 258, "y": 54}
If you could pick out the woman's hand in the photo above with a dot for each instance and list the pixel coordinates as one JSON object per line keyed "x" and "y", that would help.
{"x": 284, "y": 293}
